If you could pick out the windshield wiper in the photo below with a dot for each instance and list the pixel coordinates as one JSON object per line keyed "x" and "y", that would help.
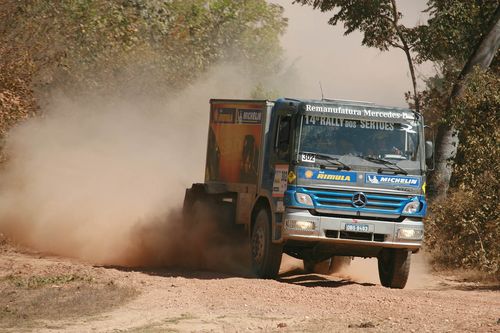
{"x": 390, "y": 166}
{"x": 328, "y": 158}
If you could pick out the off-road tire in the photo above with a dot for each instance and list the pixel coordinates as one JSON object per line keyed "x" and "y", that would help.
{"x": 328, "y": 266}
{"x": 266, "y": 255}
{"x": 309, "y": 265}
{"x": 394, "y": 267}
{"x": 194, "y": 199}
{"x": 318, "y": 267}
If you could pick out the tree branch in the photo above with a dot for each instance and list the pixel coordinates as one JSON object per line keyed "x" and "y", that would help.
{"x": 396, "y": 45}
{"x": 406, "y": 49}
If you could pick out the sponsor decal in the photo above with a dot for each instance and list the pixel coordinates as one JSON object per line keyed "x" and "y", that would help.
{"x": 280, "y": 180}
{"x": 362, "y": 112}
{"x": 224, "y": 115}
{"x": 328, "y": 175}
{"x": 325, "y": 121}
{"x": 376, "y": 125}
{"x": 338, "y": 122}
{"x": 248, "y": 116}
{"x": 392, "y": 180}
{"x": 280, "y": 206}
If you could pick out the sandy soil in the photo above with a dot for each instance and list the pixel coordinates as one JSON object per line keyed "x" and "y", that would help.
{"x": 114, "y": 299}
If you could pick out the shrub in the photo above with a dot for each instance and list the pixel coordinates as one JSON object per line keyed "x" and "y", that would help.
{"x": 464, "y": 228}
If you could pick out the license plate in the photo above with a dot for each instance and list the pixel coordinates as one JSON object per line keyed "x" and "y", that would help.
{"x": 357, "y": 227}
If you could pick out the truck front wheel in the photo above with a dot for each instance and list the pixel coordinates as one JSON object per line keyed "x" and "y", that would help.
{"x": 266, "y": 256}
{"x": 394, "y": 267}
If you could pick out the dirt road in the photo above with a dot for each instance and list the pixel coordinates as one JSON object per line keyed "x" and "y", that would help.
{"x": 50, "y": 294}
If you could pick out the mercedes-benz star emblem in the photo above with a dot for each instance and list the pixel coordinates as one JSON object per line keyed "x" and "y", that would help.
{"x": 359, "y": 200}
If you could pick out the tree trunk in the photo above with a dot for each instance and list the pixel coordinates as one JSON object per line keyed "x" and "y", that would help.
{"x": 447, "y": 139}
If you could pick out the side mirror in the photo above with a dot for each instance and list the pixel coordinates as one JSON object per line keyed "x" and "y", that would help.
{"x": 429, "y": 150}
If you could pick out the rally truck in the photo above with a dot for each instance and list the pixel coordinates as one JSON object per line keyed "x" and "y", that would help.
{"x": 318, "y": 180}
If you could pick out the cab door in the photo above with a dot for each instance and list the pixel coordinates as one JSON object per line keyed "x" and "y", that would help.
{"x": 280, "y": 156}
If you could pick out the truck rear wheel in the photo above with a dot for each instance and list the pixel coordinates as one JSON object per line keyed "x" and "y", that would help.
{"x": 201, "y": 211}
{"x": 394, "y": 267}
{"x": 196, "y": 204}
{"x": 328, "y": 266}
{"x": 266, "y": 256}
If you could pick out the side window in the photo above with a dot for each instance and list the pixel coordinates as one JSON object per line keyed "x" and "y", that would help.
{"x": 282, "y": 144}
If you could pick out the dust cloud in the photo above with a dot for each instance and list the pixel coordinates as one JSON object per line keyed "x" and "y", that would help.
{"x": 102, "y": 178}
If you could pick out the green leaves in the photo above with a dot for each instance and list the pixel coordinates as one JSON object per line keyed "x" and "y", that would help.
{"x": 151, "y": 46}
{"x": 88, "y": 43}
{"x": 454, "y": 28}
{"x": 127, "y": 46}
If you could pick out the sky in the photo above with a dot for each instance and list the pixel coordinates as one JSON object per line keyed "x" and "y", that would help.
{"x": 346, "y": 69}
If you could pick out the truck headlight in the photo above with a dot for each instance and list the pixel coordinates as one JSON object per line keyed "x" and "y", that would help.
{"x": 300, "y": 225}
{"x": 304, "y": 199}
{"x": 412, "y": 207}
{"x": 406, "y": 233}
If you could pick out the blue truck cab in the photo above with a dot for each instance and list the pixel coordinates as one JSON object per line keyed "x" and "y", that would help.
{"x": 319, "y": 180}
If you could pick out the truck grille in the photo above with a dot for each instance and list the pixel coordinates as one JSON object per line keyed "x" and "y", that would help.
{"x": 340, "y": 201}
{"x": 366, "y": 236}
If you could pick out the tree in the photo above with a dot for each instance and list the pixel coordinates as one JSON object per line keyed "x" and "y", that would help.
{"x": 149, "y": 46}
{"x": 87, "y": 42}
{"x": 463, "y": 227}
{"x": 379, "y": 21}
{"x": 481, "y": 56}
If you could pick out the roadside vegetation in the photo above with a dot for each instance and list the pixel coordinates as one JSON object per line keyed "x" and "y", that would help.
{"x": 26, "y": 301}
{"x": 35, "y": 297}
{"x": 158, "y": 47}
{"x": 464, "y": 228}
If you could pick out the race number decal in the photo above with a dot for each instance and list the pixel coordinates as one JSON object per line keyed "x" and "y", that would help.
{"x": 306, "y": 157}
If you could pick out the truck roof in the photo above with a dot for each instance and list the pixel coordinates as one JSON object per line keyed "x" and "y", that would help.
{"x": 325, "y": 101}
{"x": 336, "y": 107}
{"x": 234, "y": 100}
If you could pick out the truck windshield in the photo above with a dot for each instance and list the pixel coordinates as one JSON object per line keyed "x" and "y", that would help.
{"x": 395, "y": 142}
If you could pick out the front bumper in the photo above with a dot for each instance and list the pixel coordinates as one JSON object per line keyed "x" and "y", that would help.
{"x": 381, "y": 234}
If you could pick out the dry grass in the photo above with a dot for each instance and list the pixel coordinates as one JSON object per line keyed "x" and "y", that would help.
{"x": 26, "y": 300}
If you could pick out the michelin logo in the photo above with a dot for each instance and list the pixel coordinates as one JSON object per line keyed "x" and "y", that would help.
{"x": 372, "y": 179}
{"x": 392, "y": 180}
